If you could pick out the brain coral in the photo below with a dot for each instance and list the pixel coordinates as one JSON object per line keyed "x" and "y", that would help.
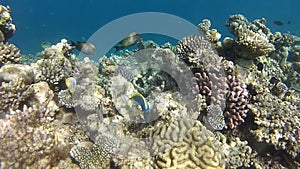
{"x": 9, "y": 53}
{"x": 186, "y": 144}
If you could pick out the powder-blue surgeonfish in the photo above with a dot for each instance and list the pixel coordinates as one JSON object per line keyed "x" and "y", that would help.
{"x": 139, "y": 98}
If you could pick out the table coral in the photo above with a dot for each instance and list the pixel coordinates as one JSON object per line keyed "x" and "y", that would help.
{"x": 9, "y": 54}
{"x": 252, "y": 39}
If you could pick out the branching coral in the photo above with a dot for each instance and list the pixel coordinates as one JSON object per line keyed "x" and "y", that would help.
{"x": 9, "y": 53}
{"x": 237, "y": 100}
{"x": 53, "y": 71}
{"x": 27, "y": 139}
{"x": 15, "y": 80}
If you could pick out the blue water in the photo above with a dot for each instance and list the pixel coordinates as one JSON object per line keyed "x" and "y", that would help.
{"x": 52, "y": 20}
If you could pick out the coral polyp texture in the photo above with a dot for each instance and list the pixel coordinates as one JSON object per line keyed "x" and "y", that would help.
{"x": 9, "y": 54}
{"x": 277, "y": 123}
{"x": 186, "y": 144}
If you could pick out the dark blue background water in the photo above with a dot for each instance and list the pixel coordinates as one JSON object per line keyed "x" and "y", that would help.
{"x": 52, "y": 20}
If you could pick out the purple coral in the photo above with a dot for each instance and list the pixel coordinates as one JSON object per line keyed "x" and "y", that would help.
{"x": 229, "y": 93}
{"x": 237, "y": 99}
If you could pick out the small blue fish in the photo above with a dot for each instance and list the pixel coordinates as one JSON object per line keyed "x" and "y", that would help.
{"x": 144, "y": 105}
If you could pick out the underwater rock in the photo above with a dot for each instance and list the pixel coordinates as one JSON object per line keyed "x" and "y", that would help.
{"x": 252, "y": 39}
{"x": 13, "y": 72}
{"x": 9, "y": 54}
{"x": 7, "y": 28}
{"x": 240, "y": 153}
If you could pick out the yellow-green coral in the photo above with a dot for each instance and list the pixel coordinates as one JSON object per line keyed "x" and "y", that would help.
{"x": 186, "y": 144}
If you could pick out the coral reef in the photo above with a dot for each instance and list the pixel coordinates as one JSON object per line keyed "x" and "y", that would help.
{"x": 240, "y": 153}
{"x": 27, "y": 136}
{"x": 7, "y": 28}
{"x": 96, "y": 155}
{"x": 9, "y": 53}
{"x": 237, "y": 100}
{"x": 53, "y": 71}
{"x": 215, "y": 118}
{"x": 186, "y": 144}
{"x": 15, "y": 81}
{"x": 252, "y": 39}
{"x": 277, "y": 123}
{"x": 240, "y": 110}
{"x": 212, "y": 35}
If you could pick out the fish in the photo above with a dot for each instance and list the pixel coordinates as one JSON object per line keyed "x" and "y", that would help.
{"x": 279, "y": 23}
{"x": 71, "y": 84}
{"x": 139, "y": 98}
{"x": 130, "y": 40}
{"x": 45, "y": 45}
{"x": 84, "y": 47}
